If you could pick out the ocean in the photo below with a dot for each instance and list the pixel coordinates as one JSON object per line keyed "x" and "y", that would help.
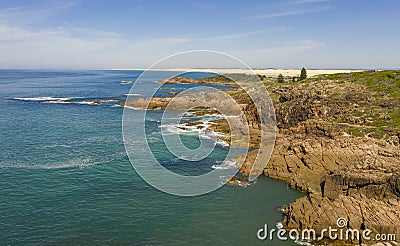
{"x": 66, "y": 179}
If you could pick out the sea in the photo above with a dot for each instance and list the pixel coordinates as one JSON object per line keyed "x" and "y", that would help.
{"x": 66, "y": 179}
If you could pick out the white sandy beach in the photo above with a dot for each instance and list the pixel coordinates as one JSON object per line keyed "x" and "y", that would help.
{"x": 267, "y": 72}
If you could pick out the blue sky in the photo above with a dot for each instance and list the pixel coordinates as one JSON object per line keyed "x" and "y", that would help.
{"x": 85, "y": 34}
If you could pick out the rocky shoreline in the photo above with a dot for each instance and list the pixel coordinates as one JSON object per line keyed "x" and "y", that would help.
{"x": 338, "y": 141}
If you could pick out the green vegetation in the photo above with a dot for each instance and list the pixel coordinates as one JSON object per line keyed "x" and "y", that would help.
{"x": 385, "y": 83}
{"x": 234, "y": 93}
{"x": 359, "y": 103}
{"x": 303, "y": 74}
{"x": 238, "y": 77}
{"x": 379, "y": 101}
{"x": 281, "y": 79}
{"x": 218, "y": 78}
{"x": 262, "y": 77}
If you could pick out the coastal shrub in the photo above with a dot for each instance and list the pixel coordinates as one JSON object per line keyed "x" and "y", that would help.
{"x": 281, "y": 79}
{"x": 303, "y": 74}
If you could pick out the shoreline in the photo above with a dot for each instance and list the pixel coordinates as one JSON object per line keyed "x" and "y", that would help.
{"x": 345, "y": 170}
{"x": 266, "y": 72}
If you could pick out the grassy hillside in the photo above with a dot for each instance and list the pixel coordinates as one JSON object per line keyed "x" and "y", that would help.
{"x": 361, "y": 103}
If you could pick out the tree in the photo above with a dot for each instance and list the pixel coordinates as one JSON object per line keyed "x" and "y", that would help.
{"x": 262, "y": 77}
{"x": 303, "y": 74}
{"x": 281, "y": 79}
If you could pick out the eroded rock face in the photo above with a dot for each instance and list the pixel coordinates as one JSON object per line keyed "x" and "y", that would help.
{"x": 186, "y": 101}
{"x": 339, "y": 143}
{"x": 377, "y": 184}
{"x": 184, "y": 80}
{"x": 359, "y": 211}
{"x": 357, "y": 178}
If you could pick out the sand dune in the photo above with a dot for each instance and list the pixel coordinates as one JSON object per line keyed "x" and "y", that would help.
{"x": 267, "y": 72}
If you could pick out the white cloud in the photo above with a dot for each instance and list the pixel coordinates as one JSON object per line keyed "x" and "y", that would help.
{"x": 169, "y": 40}
{"x": 24, "y": 45}
{"x": 74, "y": 47}
{"x": 8, "y": 33}
{"x": 291, "y": 47}
{"x": 298, "y": 2}
{"x": 23, "y": 15}
{"x": 297, "y": 12}
{"x": 70, "y": 29}
{"x": 246, "y": 34}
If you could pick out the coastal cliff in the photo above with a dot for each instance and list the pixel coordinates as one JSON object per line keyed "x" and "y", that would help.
{"x": 338, "y": 140}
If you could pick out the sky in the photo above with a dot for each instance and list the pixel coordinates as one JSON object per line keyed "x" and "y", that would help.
{"x": 87, "y": 34}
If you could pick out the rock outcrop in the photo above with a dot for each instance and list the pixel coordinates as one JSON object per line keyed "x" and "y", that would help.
{"x": 338, "y": 141}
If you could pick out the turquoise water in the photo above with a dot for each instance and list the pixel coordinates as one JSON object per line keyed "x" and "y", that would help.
{"x": 65, "y": 177}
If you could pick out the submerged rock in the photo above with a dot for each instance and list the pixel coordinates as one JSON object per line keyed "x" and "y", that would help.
{"x": 237, "y": 181}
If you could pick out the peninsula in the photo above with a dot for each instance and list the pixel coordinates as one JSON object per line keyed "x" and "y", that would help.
{"x": 338, "y": 141}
